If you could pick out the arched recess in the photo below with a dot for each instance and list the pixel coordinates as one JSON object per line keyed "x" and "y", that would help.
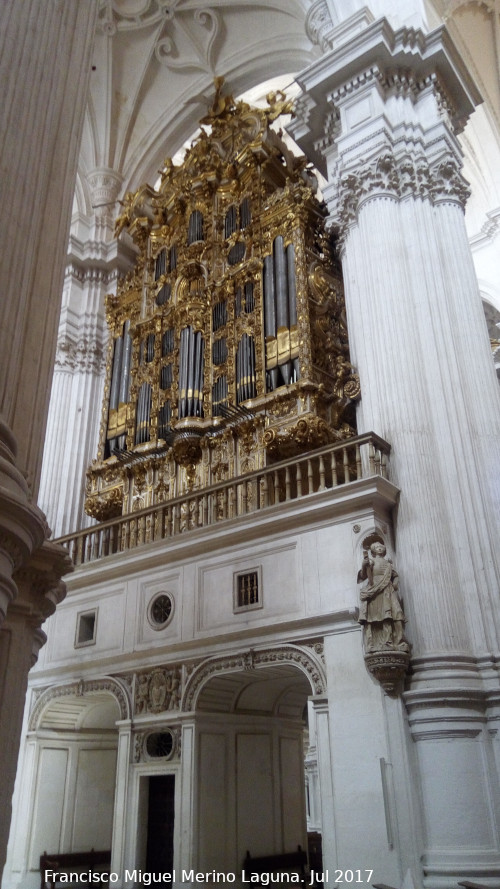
{"x": 306, "y": 660}
{"x": 85, "y": 691}
{"x": 249, "y": 715}
{"x": 72, "y": 748}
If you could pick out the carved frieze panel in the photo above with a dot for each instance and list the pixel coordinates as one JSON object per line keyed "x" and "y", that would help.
{"x": 158, "y": 690}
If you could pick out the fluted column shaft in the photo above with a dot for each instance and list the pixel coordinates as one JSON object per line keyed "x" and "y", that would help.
{"x": 45, "y": 61}
{"x": 416, "y": 330}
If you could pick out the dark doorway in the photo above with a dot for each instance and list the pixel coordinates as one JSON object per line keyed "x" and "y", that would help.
{"x": 161, "y": 805}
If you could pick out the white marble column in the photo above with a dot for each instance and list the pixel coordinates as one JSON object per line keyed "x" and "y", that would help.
{"x": 379, "y": 115}
{"x": 45, "y": 55}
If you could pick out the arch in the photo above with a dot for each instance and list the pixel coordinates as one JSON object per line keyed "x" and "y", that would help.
{"x": 306, "y": 659}
{"x": 91, "y": 688}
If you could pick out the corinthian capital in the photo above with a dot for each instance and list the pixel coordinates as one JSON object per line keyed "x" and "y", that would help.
{"x": 397, "y": 178}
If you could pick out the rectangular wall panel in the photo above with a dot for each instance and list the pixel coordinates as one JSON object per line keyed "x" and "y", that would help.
{"x": 95, "y": 794}
{"x": 212, "y": 801}
{"x": 254, "y": 794}
{"x": 49, "y": 803}
{"x": 292, "y": 795}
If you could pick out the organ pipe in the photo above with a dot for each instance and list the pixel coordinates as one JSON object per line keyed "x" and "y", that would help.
{"x": 245, "y": 369}
{"x": 281, "y": 283}
{"x": 143, "y": 414}
{"x": 195, "y": 228}
{"x": 245, "y": 213}
{"x": 230, "y": 222}
{"x": 115, "y": 376}
{"x": 191, "y": 373}
{"x": 280, "y": 321}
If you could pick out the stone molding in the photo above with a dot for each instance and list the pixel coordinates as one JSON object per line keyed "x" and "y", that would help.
{"x": 84, "y": 356}
{"x": 323, "y": 33}
{"x": 22, "y": 525}
{"x": 140, "y": 740}
{"x": 319, "y": 25}
{"x": 40, "y": 590}
{"x": 93, "y": 274}
{"x": 83, "y": 687}
{"x": 304, "y": 658}
{"x": 104, "y": 184}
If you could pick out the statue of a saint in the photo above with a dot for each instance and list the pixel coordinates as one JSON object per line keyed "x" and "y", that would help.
{"x": 381, "y": 611}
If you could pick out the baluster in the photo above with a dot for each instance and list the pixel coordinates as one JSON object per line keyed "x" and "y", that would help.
{"x": 225, "y": 502}
{"x": 310, "y": 477}
{"x": 276, "y": 487}
{"x": 288, "y": 485}
{"x": 347, "y": 477}
{"x": 175, "y": 519}
{"x": 298, "y": 476}
{"x": 377, "y": 462}
{"x": 79, "y": 551}
{"x": 205, "y": 509}
{"x": 371, "y": 458}
{"x": 333, "y": 463}
{"x": 88, "y": 548}
{"x": 264, "y": 491}
{"x": 244, "y": 496}
{"x": 322, "y": 485}
{"x": 384, "y": 466}
{"x": 359, "y": 473}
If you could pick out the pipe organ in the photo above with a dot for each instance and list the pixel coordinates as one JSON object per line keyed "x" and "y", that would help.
{"x": 228, "y": 345}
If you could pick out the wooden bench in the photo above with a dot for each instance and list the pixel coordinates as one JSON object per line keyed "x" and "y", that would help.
{"x": 284, "y": 862}
{"x": 68, "y": 862}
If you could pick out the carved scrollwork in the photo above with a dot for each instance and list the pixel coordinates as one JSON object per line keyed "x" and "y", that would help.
{"x": 158, "y": 690}
{"x": 107, "y": 683}
{"x": 306, "y": 660}
{"x": 319, "y": 24}
{"x": 308, "y": 432}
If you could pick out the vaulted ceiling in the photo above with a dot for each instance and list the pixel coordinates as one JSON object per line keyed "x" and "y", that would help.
{"x": 153, "y": 69}
{"x": 155, "y": 61}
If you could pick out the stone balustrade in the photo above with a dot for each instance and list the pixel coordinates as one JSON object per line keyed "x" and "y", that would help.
{"x": 336, "y": 464}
